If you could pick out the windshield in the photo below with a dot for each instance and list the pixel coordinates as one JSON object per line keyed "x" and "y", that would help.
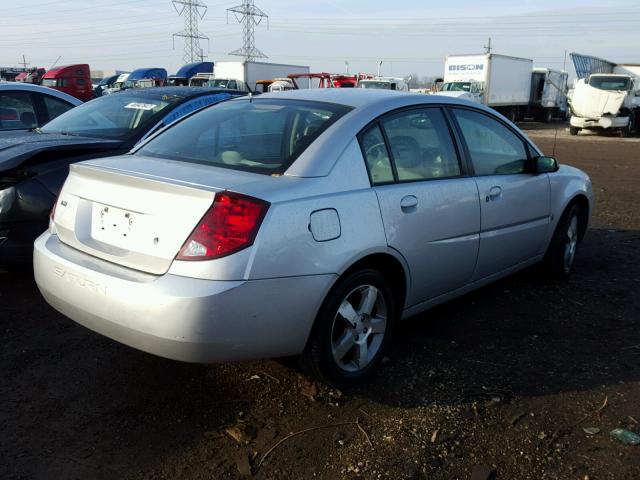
{"x": 456, "y": 87}
{"x": 111, "y": 117}
{"x": 378, "y": 85}
{"x": 263, "y": 136}
{"x": 610, "y": 83}
{"x": 219, "y": 82}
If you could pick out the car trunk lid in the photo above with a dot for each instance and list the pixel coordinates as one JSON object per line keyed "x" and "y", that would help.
{"x": 137, "y": 211}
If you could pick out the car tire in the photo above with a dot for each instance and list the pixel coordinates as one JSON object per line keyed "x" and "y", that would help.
{"x": 561, "y": 254}
{"x": 352, "y": 330}
{"x": 547, "y": 115}
{"x": 574, "y": 130}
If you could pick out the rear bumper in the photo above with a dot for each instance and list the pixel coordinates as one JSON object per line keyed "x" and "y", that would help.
{"x": 602, "y": 122}
{"x": 181, "y": 318}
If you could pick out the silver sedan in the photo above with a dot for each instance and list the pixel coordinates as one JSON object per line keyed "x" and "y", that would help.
{"x": 304, "y": 223}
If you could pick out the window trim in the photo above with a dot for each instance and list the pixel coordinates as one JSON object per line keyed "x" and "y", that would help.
{"x": 462, "y": 158}
{"x": 527, "y": 146}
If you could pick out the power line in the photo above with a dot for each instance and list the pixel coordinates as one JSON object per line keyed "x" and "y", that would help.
{"x": 250, "y": 17}
{"x": 192, "y": 11}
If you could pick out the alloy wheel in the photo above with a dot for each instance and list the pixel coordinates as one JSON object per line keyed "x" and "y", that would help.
{"x": 358, "y": 328}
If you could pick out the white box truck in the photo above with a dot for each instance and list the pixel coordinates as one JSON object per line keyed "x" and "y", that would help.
{"x": 498, "y": 81}
{"x": 244, "y": 75}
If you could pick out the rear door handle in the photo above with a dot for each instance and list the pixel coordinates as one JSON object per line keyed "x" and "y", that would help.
{"x": 494, "y": 194}
{"x": 408, "y": 202}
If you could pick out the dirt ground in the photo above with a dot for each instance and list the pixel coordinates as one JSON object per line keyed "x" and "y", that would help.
{"x": 505, "y": 379}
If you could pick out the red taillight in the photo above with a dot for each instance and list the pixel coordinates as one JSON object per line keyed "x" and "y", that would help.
{"x": 231, "y": 224}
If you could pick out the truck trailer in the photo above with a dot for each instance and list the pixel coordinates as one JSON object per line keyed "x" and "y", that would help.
{"x": 244, "y": 75}
{"x": 498, "y": 81}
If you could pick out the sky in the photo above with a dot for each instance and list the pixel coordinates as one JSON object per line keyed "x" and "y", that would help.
{"x": 408, "y": 36}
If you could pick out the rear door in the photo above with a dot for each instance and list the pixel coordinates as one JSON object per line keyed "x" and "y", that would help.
{"x": 430, "y": 210}
{"x": 515, "y": 204}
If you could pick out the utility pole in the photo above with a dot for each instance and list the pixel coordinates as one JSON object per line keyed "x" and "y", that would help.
{"x": 346, "y": 62}
{"x": 24, "y": 63}
{"x": 379, "y": 67}
{"x": 488, "y": 48}
{"x": 250, "y": 17}
{"x": 193, "y": 10}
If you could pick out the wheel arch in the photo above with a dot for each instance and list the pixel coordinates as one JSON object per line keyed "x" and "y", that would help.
{"x": 582, "y": 202}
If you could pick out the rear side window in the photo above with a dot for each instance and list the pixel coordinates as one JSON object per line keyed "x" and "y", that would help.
{"x": 376, "y": 155}
{"x": 421, "y": 145}
{"x": 263, "y": 136}
{"x": 55, "y": 106}
{"x": 494, "y": 148}
{"x": 16, "y": 111}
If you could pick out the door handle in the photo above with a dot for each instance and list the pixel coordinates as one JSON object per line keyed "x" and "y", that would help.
{"x": 408, "y": 203}
{"x": 494, "y": 194}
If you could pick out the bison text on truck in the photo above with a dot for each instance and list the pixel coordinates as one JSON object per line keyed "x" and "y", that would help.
{"x": 498, "y": 81}
{"x": 244, "y": 75}
{"x": 606, "y": 96}
{"x": 74, "y": 80}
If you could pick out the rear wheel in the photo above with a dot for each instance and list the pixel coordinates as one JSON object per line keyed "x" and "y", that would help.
{"x": 562, "y": 251}
{"x": 352, "y": 330}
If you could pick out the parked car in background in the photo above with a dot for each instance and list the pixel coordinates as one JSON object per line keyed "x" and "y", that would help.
{"x": 384, "y": 83}
{"x": 74, "y": 80}
{"x": 304, "y": 223}
{"x": 34, "y": 164}
{"x": 24, "y": 106}
{"x": 117, "y": 85}
{"x": 107, "y": 82}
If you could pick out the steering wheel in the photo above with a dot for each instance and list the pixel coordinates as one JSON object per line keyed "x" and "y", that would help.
{"x": 380, "y": 146}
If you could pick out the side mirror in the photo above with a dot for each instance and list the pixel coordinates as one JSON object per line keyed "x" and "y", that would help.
{"x": 544, "y": 164}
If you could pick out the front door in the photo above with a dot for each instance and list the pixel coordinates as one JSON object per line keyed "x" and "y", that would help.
{"x": 514, "y": 203}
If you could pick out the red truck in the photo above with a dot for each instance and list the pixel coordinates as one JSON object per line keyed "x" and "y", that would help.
{"x": 74, "y": 80}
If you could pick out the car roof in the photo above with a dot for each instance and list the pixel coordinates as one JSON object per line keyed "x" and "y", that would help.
{"x": 29, "y": 87}
{"x": 359, "y": 98}
{"x": 184, "y": 92}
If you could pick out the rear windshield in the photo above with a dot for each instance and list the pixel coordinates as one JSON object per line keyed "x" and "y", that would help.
{"x": 111, "y": 116}
{"x": 263, "y": 135}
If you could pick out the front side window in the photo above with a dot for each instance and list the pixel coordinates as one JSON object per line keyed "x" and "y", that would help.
{"x": 262, "y": 136}
{"x": 494, "y": 148}
{"x": 421, "y": 145}
{"x": 16, "y": 111}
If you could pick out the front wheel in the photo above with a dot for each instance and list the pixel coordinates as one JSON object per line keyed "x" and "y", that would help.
{"x": 574, "y": 130}
{"x": 352, "y": 330}
{"x": 562, "y": 251}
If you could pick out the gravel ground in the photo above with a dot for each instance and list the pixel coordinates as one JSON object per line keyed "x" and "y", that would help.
{"x": 505, "y": 379}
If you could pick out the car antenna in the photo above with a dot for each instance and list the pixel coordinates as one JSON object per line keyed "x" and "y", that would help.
{"x": 555, "y": 142}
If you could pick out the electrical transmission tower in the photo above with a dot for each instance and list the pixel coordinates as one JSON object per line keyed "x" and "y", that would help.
{"x": 193, "y": 10}
{"x": 250, "y": 17}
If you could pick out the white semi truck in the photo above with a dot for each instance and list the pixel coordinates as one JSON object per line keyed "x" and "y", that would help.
{"x": 498, "y": 81}
{"x": 606, "y": 96}
{"x": 244, "y": 75}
